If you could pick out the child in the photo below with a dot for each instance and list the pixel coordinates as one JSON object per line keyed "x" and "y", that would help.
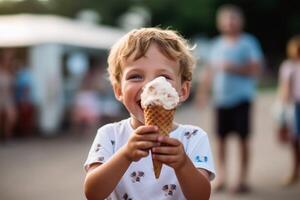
{"x": 289, "y": 93}
{"x": 119, "y": 165}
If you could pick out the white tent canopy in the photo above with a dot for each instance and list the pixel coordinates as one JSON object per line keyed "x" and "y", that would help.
{"x": 46, "y": 36}
{"x": 29, "y": 29}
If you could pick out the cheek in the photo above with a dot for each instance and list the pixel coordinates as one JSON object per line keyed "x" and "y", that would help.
{"x": 130, "y": 91}
{"x": 177, "y": 86}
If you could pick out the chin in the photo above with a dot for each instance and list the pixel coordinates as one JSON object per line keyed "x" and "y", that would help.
{"x": 138, "y": 120}
{"x": 142, "y": 121}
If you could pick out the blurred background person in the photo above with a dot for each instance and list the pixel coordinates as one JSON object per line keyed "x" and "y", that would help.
{"x": 94, "y": 102}
{"x": 24, "y": 97}
{"x": 289, "y": 98}
{"x": 86, "y": 110}
{"x": 8, "y": 113}
{"x": 234, "y": 62}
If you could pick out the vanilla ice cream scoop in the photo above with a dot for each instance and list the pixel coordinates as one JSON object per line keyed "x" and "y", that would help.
{"x": 159, "y": 92}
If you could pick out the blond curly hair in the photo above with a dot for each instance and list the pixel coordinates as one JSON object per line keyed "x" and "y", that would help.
{"x": 137, "y": 42}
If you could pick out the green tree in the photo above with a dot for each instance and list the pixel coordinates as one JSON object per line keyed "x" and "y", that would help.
{"x": 189, "y": 17}
{"x": 272, "y": 21}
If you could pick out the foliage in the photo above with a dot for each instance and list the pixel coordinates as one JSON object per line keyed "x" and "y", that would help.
{"x": 272, "y": 21}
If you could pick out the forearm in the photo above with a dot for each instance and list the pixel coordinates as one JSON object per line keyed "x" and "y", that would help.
{"x": 249, "y": 69}
{"x": 193, "y": 183}
{"x": 101, "y": 181}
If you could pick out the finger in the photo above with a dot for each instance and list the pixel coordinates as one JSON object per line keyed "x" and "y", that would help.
{"x": 146, "y": 145}
{"x": 142, "y": 130}
{"x": 166, "y": 150}
{"x": 167, "y": 159}
{"x": 141, "y": 153}
{"x": 148, "y": 137}
{"x": 168, "y": 140}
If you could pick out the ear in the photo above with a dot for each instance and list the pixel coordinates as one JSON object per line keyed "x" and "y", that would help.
{"x": 118, "y": 92}
{"x": 185, "y": 91}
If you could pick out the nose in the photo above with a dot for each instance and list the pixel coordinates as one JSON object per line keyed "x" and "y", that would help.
{"x": 147, "y": 80}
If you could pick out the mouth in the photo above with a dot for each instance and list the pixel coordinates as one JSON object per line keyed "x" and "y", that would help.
{"x": 140, "y": 116}
{"x": 140, "y": 104}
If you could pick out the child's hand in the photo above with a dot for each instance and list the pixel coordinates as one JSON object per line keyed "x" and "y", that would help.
{"x": 171, "y": 153}
{"x": 141, "y": 141}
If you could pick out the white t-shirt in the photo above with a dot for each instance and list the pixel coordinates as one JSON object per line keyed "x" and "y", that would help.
{"x": 139, "y": 181}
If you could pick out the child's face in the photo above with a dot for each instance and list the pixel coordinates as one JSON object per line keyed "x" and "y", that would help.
{"x": 135, "y": 74}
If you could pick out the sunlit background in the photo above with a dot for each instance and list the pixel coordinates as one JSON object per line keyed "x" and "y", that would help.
{"x": 56, "y": 51}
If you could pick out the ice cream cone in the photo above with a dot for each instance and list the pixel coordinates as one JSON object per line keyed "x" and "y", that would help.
{"x": 159, "y": 100}
{"x": 163, "y": 119}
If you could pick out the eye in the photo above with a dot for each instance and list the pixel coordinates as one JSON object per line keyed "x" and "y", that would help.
{"x": 168, "y": 77}
{"x": 134, "y": 77}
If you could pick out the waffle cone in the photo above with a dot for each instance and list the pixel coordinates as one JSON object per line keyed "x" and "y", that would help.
{"x": 163, "y": 119}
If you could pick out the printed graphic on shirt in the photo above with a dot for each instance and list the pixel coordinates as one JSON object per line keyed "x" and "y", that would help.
{"x": 126, "y": 197}
{"x": 189, "y": 134}
{"x": 112, "y": 143}
{"x": 137, "y": 176}
{"x": 169, "y": 189}
{"x": 201, "y": 159}
{"x": 101, "y": 158}
{"x": 98, "y": 146}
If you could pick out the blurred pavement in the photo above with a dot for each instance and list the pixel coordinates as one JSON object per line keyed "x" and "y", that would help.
{"x": 52, "y": 168}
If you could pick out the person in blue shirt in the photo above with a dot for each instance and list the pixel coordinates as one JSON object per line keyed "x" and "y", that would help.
{"x": 234, "y": 63}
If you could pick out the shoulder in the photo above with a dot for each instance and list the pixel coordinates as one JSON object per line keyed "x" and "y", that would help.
{"x": 249, "y": 37}
{"x": 285, "y": 63}
{"x": 115, "y": 127}
{"x": 252, "y": 45}
{"x": 250, "y": 40}
{"x": 286, "y": 67}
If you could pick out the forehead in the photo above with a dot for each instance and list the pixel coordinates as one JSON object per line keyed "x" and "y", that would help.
{"x": 152, "y": 58}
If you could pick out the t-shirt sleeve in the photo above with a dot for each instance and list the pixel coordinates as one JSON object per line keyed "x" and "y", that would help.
{"x": 101, "y": 149}
{"x": 254, "y": 49}
{"x": 199, "y": 152}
